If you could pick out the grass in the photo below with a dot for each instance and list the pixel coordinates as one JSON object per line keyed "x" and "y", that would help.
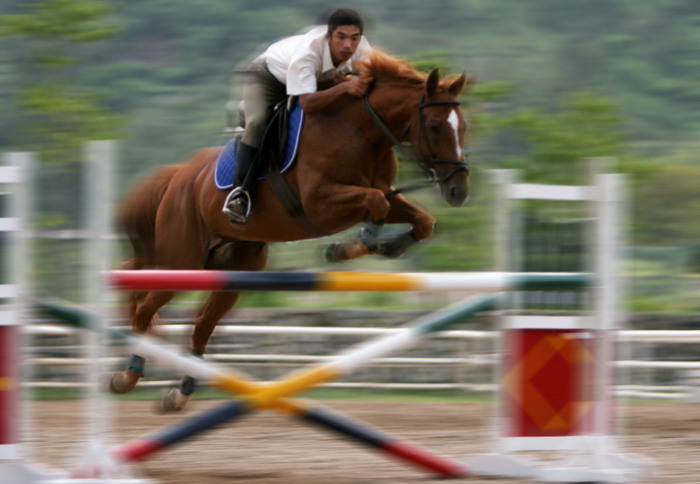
{"x": 324, "y": 394}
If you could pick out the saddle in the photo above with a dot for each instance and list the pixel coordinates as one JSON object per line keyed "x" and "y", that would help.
{"x": 278, "y": 151}
{"x": 278, "y": 148}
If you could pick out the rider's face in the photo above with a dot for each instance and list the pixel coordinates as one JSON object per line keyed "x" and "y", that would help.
{"x": 343, "y": 42}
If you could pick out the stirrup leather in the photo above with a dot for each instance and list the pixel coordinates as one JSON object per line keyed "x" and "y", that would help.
{"x": 235, "y": 193}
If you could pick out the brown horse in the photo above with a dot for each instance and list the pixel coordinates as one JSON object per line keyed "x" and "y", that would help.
{"x": 343, "y": 175}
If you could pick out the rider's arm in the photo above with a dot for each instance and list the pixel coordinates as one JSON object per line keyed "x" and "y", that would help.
{"x": 302, "y": 81}
{"x": 316, "y": 101}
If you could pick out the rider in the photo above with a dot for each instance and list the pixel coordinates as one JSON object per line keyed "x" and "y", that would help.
{"x": 293, "y": 67}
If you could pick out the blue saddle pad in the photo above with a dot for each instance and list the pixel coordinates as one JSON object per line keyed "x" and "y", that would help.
{"x": 226, "y": 163}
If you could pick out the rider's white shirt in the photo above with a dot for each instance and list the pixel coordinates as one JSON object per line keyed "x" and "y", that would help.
{"x": 300, "y": 60}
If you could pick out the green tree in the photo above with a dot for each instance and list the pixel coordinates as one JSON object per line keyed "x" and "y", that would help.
{"x": 58, "y": 112}
{"x": 666, "y": 207}
{"x": 551, "y": 145}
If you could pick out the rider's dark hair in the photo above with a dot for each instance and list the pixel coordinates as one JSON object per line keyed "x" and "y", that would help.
{"x": 344, "y": 16}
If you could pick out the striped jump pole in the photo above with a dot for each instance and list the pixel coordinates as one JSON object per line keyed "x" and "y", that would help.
{"x": 191, "y": 280}
{"x": 272, "y": 396}
{"x": 392, "y": 446}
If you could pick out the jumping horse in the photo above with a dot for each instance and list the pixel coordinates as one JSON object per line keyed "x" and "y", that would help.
{"x": 343, "y": 175}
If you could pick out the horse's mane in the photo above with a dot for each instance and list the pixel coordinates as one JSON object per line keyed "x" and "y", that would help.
{"x": 381, "y": 66}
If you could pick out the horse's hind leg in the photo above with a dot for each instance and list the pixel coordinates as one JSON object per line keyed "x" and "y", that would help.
{"x": 142, "y": 312}
{"x": 229, "y": 255}
{"x": 218, "y": 304}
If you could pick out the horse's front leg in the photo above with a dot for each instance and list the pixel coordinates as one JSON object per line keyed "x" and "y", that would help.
{"x": 370, "y": 240}
{"x": 369, "y": 204}
{"x": 402, "y": 211}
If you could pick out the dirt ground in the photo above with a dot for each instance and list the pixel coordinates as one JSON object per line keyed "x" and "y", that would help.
{"x": 267, "y": 448}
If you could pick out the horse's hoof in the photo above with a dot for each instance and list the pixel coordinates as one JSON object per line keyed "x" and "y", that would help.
{"x": 173, "y": 401}
{"x": 335, "y": 253}
{"x": 395, "y": 247}
{"x": 351, "y": 249}
{"x": 123, "y": 382}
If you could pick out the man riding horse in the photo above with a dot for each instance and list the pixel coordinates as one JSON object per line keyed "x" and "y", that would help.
{"x": 343, "y": 175}
{"x": 294, "y": 66}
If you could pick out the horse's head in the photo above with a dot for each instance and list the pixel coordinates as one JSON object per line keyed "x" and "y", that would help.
{"x": 438, "y": 137}
{"x": 432, "y": 121}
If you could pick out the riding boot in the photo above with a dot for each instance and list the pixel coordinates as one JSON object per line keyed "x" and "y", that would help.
{"x": 238, "y": 203}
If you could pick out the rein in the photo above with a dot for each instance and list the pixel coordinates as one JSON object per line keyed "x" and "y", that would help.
{"x": 426, "y": 164}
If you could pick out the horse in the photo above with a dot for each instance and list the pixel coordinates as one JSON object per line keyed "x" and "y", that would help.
{"x": 343, "y": 175}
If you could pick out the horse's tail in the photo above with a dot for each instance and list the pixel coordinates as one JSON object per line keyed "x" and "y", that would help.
{"x": 137, "y": 216}
{"x": 136, "y": 219}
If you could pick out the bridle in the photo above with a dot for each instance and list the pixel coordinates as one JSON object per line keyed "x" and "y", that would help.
{"x": 426, "y": 163}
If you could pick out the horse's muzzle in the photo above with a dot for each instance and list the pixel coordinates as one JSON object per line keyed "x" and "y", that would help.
{"x": 455, "y": 190}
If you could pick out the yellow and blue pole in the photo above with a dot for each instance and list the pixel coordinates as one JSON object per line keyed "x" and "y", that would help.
{"x": 191, "y": 280}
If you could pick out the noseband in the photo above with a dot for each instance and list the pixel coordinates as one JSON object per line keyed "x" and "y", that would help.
{"x": 426, "y": 163}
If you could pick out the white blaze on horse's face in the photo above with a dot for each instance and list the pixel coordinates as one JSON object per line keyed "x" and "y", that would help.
{"x": 453, "y": 119}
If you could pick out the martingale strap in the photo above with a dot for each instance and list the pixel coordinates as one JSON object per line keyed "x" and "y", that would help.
{"x": 380, "y": 124}
{"x": 291, "y": 202}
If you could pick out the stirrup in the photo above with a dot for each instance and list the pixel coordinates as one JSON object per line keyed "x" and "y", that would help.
{"x": 235, "y": 216}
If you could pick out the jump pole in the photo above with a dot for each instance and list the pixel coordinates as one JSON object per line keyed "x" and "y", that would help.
{"x": 193, "y": 280}
{"x": 273, "y": 395}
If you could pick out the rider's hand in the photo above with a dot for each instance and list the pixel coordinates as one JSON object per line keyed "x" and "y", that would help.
{"x": 356, "y": 87}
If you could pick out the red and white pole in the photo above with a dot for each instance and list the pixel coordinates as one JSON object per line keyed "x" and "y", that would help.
{"x": 13, "y": 175}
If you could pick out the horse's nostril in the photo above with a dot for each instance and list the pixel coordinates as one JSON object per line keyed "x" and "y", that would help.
{"x": 456, "y": 196}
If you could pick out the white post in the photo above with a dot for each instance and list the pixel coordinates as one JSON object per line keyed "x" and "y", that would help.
{"x": 14, "y": 176}
{"x": 98, "y": 156}
{"x": 607, "y": 297}
{"x": 99, "y": 159}
{"x": 501, "y": 180}
{"x": 11, "y": 177}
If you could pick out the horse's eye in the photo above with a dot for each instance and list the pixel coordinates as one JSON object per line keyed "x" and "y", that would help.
{"x": 433, "y": 127}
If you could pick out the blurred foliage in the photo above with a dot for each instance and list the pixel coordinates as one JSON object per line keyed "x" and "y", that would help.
{"x": 584, "y": 126}
{"x": 55, "y": 111}
{"x": 666, "y": 204}
{"x": 60, "y": 112}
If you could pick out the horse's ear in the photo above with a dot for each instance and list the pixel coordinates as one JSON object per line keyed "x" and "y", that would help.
{"x": 431, "y": 84}
{"x": 456, "y": 86}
